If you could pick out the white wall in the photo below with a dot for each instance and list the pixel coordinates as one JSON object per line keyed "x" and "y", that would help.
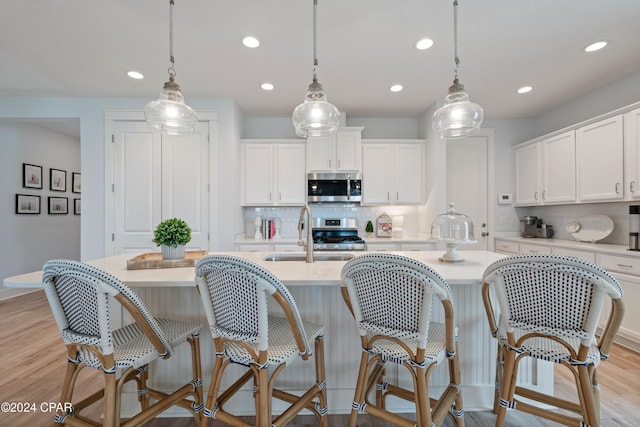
{"x": 30, "y": 240}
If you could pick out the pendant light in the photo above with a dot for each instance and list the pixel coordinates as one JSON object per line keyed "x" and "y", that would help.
{"x": 169, "y": 114}
{"x": 315, "y": 116}
{"x": 458, "y": 117}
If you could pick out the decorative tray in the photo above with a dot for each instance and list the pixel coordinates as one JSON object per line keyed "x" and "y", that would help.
{"x": 591, "y": 228}
{"x": 154, "y": 260}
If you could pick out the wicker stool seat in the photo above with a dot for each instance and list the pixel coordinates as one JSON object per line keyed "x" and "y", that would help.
{"x": 390, "y": 297}
{"x": 548, "y": 307}
{"x": 235, "y": 294}
{"x": 81, "y": 297}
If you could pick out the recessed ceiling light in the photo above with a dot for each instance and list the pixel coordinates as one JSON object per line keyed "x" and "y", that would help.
{"x": 525, "y": 89}
{"x": 424, "y": 44}
{"x": 266, "y": 86}
{"x": 250, "y": 42}
{"x": 596, "y": 46}
{"x": 135, "y": 75}
{"x": 396, "y": 88}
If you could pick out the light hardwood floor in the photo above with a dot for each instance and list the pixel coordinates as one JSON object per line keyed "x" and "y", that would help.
{"x": 33, "y": 358}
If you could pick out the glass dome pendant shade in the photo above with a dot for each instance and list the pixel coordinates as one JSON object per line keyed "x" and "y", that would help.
{"x": 315, "y": 116}
{"x": 169, "y": 114}
{"x": 458, "y": 117}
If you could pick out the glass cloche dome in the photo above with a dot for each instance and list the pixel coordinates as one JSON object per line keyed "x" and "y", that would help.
{"x": 452, "y": 228}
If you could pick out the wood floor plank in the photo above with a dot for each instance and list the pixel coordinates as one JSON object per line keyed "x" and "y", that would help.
{"x": 33, "y": 360}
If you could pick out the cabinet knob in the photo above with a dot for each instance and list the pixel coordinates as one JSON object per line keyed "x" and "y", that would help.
{"x": 484, "y": 234}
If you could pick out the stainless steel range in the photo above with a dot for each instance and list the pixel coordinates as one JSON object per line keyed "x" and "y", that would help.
{"x": 336, "y": 234}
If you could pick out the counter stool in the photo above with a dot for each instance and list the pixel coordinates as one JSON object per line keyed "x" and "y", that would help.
{"x": 81, "y": 299}
{"x": 235, "y": 294}
{"x": 549, "y": 307}
{"x": 390, "y": 297}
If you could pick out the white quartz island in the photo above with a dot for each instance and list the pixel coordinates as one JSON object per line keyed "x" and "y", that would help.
{"x": 315, "y": 287}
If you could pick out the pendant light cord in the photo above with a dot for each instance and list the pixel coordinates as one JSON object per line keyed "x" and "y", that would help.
{"x": 456, "y": 59}
{"x": 315, "y": 24}
{"x": 172, "y": 71}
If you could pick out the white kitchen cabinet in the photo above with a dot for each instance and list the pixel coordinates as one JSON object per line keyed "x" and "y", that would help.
{"x": 392, "y": 172}
{"x": 632, "y": 154}
{"x": 559, "y": 168}
{"x": 528, "y": 177}
{"x": 600, "y": 148}
{"x": 546, "y": 171}
{"x": 341, "y": 152}
{"x": 576, "y": 253}
{"x": 506, "y": 247}
{"x": 382, "y": 247}
{"x": 533, "y": 249}
{"x": 273, "y": 173}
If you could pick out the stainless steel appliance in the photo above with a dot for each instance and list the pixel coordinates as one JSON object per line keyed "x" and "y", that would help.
{"x": 336, "y": 234}
{"x": 634, "y": 227}
{"x": 529, "y": 226}
{"x": 334, "y": 188}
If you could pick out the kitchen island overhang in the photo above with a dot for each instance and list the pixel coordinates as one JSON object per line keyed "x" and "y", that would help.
{"x": 316, "y": 289}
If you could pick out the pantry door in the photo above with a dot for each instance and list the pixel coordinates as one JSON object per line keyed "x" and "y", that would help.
{"x": 155, "y": 177}
{"x": 469, "y": 162}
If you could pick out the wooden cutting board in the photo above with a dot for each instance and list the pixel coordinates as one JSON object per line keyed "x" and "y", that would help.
{"x": 154, "y": 260}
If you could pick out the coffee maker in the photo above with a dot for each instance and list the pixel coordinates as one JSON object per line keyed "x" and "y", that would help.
{"x": 529, "y": 226}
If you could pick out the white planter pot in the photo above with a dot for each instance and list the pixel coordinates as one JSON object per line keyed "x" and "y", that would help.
{"x": 171, "y": 252}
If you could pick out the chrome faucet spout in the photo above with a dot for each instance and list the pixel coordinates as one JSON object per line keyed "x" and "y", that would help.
{"x": 308, "y": 242}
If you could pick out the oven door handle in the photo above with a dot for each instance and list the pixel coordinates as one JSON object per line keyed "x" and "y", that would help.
{"x": 349, "y": 187}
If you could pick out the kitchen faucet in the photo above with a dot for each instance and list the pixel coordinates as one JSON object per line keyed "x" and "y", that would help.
{"x": 308, "y": 243}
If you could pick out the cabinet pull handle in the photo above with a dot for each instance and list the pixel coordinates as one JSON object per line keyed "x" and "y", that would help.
{"x": 338, "y": 163}
{"x": 387, "y": 195}
{"x": 544, "y": 194}
{"x": 329, "y": 163}
{"x": 625, "y": 265}
{"x": 617, "y": 188}
{"x": 397, "y": 195}
{"x": 535, "y": 195}
{"x": 632, "y": 185}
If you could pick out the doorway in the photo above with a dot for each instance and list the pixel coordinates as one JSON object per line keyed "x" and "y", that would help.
{"x": 469, "y": 183}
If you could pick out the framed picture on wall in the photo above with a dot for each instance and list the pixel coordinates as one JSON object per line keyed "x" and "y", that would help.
{"x": 57, "y": 180}
{"x": 75, "y": 182}
{"x": 58, "y": 205}
{"x": 31, "y": 176}
{"x": 76, "y": 206}
{"x": 27, "y": 204}
{"x": 384, "y": 226}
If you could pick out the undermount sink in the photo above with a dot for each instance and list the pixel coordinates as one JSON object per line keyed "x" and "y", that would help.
{"x": 301, "y": 256}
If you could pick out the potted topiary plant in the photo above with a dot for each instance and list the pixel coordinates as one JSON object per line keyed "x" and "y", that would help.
{"x": 172, "y": 235}
{"x": 369, "y": 228}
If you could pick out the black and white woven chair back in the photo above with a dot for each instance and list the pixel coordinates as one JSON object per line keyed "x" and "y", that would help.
{"x": 551, "y": 294}
{"x": 80, "y": 297}
{"x": 392, "y": 295}
{"x": 239, "y": 292}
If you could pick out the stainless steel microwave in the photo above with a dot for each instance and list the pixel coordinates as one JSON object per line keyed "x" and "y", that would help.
{"x": 334, "y": 188}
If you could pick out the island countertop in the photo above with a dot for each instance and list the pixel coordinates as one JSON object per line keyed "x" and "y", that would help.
{"x": 291, "y": 273}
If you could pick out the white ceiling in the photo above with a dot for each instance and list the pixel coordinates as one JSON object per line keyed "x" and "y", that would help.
{"x": 80, "y": 48}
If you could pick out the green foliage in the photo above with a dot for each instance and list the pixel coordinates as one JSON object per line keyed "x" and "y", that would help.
{"x": 369, "y": 228}
{"x": 172, "y": 232}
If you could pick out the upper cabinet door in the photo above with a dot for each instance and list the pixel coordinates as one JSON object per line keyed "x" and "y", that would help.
{"x": 600, "y": 160}
{"x": 291, "y": 174}
{"x": 349, "y": 151}
{"x": 528, "y": 175}
{"x": 632, "y": 154}
{"x": 321, "y": 153}
{"x": 409, "y": 177}
{"x": 257, "y": 171}
{"x": 559, "y": 168}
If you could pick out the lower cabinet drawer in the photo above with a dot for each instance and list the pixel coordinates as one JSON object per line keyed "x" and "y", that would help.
{"x": 583, "y": 255}
{"x": 506, "y": 247}
{"x": 620, "y": 264}
{"x": 534, "y": 249}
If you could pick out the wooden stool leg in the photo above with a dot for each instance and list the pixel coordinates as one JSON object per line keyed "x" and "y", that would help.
{"x": 508, "y": 384}
{"x": 321, "y": 380}
{"x": 194, "y": 342}
{"x": 70, "y": 377}
{"x": 361, "y": 388}
{"x": 110, "y": 404}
